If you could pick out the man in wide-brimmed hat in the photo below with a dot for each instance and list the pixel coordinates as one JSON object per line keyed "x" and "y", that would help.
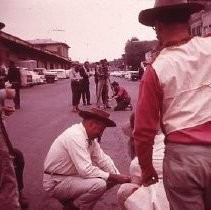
{"x": 2, "y": 25}
{"x": 175, "y": 91}
{"x": 76, "y": 170}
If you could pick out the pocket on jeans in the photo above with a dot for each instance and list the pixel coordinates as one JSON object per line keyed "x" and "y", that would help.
{"x": 177, "y": 175}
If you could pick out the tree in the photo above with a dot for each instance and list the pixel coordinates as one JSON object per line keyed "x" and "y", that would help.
{"x": 135, "y": 51}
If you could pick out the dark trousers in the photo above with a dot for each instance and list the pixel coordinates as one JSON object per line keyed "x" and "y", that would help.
{"x": 19, "y": 164}
{"x": 17, "y": 95}
{"x": 105, "y": 94}
{"x": 85, "y": 92}
{"x": 76, "y": 92}
{"x": 122, "y": 104}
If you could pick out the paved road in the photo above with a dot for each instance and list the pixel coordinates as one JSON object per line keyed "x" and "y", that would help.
{"x": 45, "y": 112}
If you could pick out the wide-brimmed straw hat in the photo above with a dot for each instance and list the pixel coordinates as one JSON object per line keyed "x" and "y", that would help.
{"x": 2, "y": 25}
{"x": 97, "y": 114}
{"x": 173, "y": 7}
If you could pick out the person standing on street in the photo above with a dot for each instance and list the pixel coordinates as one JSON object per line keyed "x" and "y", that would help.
{"x": 96, "y": 75}
{"x": 175, "y": 90}
{"x": 11, "y": 159}
{"x": 14, "y": 77}
{"x": 9, "y": 196}
{"x": 85, "y": 73}
{"x": 76, "y": 86}
{"x": 3, "y": 75}
{"x": 102, "y": 85}
{"x": 17, "y": 156}
{"x": 76, "y": 170}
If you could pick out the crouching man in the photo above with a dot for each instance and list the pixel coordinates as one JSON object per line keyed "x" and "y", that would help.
{"x": 121, "y": 96}
{"x": 76, "y": 170}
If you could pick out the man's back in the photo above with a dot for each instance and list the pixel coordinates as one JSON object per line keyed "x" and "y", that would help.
{"x": 183, "y": 74}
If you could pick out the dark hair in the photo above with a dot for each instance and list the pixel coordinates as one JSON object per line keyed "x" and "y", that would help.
{"x": 114, "y": 84}
{"x": 77, "y": 68}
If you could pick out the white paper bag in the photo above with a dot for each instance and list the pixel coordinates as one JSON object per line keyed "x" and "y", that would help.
{"x": 148, "y": 198}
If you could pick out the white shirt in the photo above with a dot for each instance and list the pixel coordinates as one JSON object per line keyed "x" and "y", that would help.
{"x": 75, "y": 76}
{"x": 158, "y": 155}
{"x": 184, "y": 76}
{"x": 71, "y": 154}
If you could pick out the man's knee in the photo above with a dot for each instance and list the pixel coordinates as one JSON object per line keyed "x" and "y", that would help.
{"x": 99, "y": 186}
{"x": 125, "y": 191}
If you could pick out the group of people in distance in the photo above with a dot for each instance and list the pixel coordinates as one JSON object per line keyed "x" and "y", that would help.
{"x": 172, "y": 113}
{"x": 79, "y": 76}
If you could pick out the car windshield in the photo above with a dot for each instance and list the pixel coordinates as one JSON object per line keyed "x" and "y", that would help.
{"x": 39, "y": 71}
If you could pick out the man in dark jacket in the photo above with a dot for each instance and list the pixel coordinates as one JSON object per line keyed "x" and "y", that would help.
{"x": 85, "y": 73}
{"x": 14, "y": 78}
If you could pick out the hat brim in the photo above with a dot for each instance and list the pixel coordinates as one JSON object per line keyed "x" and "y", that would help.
{"x": 148, "y": 17}
{"x": 2, "y": 25}
{"x": 89, "y": 115}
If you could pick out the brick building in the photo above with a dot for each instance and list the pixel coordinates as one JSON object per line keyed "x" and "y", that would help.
{"x": 200, "y": 23}
{"x": 55, "y": 57}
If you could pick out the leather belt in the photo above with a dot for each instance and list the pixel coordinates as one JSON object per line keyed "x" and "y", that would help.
{"x": 55, "y": 174}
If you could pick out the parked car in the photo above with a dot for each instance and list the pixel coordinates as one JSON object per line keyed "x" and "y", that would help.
{"x": 61, "y": 73}
{"x": 68, "y": 73}
{"x": 117, "y": 73}
{"x": 37, "y": 79}
{"x": 50, "y": 77}
{"x": 26, "y": 77}
{"x": 132, "y": 75}
{"x": 42, "y": 76}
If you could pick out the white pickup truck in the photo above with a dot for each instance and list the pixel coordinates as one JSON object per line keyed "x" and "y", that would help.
{"x": 50, "y": 77}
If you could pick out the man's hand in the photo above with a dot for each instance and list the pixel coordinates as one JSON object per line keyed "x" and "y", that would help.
{"x": 149, "y": 176}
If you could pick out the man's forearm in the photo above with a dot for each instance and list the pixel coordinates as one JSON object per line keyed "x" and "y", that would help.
{"x": 119, "y": 178}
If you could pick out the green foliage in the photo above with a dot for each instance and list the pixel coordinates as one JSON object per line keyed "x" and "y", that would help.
{"x": 135, "y": 51}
